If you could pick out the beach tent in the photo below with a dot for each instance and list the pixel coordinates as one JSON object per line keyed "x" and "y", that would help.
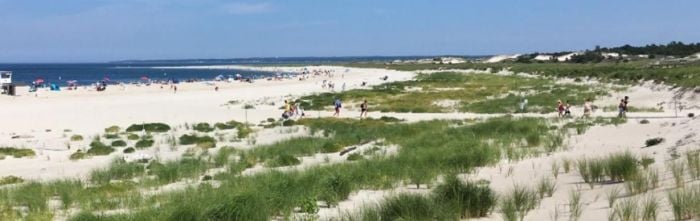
{"x": 54, "y": 87}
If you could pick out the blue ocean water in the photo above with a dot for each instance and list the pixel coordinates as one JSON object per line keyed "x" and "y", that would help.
{"x": 133, "y": 70}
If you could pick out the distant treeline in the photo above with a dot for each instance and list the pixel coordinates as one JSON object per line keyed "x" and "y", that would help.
{"x": 674, "y": 48}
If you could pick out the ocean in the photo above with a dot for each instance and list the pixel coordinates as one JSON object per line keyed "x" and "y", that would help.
{"x": 134, "y": 70}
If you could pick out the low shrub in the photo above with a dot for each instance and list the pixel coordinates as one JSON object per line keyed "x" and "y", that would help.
{"x": 206, "y": 145}
{"x": 283, "y": 160}
{"x": 98, "y": 148}
{"x": 10, "y": 180}
{"x": 518, "y": 202}
{"x": 132, "y": 136}
{"x": 653, "y": 141}
{"x": 203, "y": 127}
{"x": 76, "y": 137}
{"x": 78, "y": 155}
{"x": 288, "y": 123}
{"x": 111, "y": 136}
{"x": 389, "y": 119}
{"x": 466, "y": 199}
{"x": 16, "y": 152}
{"x": 143, "y": 144}
{"x": 309, "y": 206}
{"x": 188, "y": 139}
{"x": 243, "y": 207}
{"x": 112, "y": 130}
{"x": 243, "y": 131}
{"x": 118, "y": 143}
{"x": 644, "y": 121}
{"x": 129, "y": 150}
{"x": 149, "y": 127}
{"x": 355, "y": 156}
{"x": 331, "y": 147}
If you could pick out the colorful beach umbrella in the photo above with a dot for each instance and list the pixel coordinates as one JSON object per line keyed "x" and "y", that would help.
{"x": 39, "y": 81}
{"x": 71, "y": 81}
{"x": 144, "y": 78}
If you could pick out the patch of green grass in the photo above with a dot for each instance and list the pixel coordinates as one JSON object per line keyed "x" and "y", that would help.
{"x": 149, "y": 127}
{"x": 466, "y": 199}
{"x": 355, "y": 157}
{"x": 118, "y": 143}
{"x": 10, "y": 180}
{"x": 132, "y": 136}
{"x": 98, "y": 148}
{"x": 282, "y": 160}
{"x": 76, "y": 137}
{"x": 117, "y": 170}
{"x": 172, "y": 171}
{"x": 653, "y": 141}
{"x": 112, "y": 130}
{"x": 203, "y": 127}
{"x": 79, "y": 155}
{"x": 518, "y": 202}
{"x": 129, "y": 150}
{"x": 16, "y": 152}
{"x": 546, "y": 187}
{"x": 188, "y": 139}
{"x": 143, "y": 143}
{"x": 481, "y": 93}
{"x": 617, "y": 167}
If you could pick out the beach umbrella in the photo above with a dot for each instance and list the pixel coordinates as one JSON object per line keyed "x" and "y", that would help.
{"x": 71, "y": 81}
{"x": 39, "y": 81}
{"x": 144, "y": 78}
{"x": 105, "y": 78}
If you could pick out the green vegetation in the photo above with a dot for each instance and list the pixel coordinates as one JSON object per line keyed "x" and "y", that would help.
{"x": 10, "y": 180}
{"x": 98, "y": 148}
{"x": 546, "y": 187}
{"x": 683, "y": 75}
{"x": 149, "y": 127}
{"x": 188, "y": 139}
{"x": 202, "y": 127}
{"x": 129, "y": 150}
{"x": 518, "y": 202}
{"x": 78, "y": 155}
{"x": 653, "y": 141}
{"x": 112, "y": 130}
{"x": 614, "y": 168}
{"x": 132, "y": 136}
{"x": 459, "y": 146}
{"x": 685, "y": 203}
{"x": 143, "y": 143}
{"x": 480, "y": 93}
{"x": 117, "y": 170}
{"x": 76, "y": 137}
{"x": 575, "y": 205}
{"x": 16, "y": 152}
{"x": 118, "y": 143}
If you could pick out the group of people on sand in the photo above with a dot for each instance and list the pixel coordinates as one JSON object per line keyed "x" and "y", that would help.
{"x": 364, "y": 108}
{"x": 292, "y": 109}
{"x": 564, "y": 108}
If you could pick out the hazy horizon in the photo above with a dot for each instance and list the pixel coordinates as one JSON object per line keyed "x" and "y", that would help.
{"x": 77, "y": 31}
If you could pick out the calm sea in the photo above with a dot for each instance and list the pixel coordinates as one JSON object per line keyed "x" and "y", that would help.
{"x": 133, "y": 71}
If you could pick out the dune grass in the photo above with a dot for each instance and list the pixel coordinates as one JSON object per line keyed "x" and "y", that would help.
{"x": 516, "y": 203}
{"x": 16, "y": 152}
{"x": 618, "y": 167}
{"x": 149, "y": 127}
{"x": 458, "y": 146}
{"x": 480, "y": 93}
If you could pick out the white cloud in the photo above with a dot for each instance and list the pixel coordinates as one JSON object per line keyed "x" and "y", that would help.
{"x": 241, "y": 8}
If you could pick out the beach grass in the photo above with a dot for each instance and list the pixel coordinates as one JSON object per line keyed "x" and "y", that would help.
{"x": 17, "y": 152}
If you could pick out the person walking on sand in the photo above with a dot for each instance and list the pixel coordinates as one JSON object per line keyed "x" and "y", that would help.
{"x": 174, "y": 89}
{"x": 337, "y": 105}
{"x": 621, "y": 108}
{"x": 363, "y": 109}
{"x": 587, "y": 108}
{"x": 560, "y": 108}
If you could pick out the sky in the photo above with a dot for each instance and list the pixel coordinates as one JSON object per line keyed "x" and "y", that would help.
{"x": 109, "y": 30}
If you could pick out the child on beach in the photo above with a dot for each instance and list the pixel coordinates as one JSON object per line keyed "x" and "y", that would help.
{"x": 587, "y": 108}
{"x": 560, "y": 108}
{"x": 567, "y": 109}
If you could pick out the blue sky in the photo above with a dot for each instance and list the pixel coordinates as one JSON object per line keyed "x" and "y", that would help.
{"x": 107, "y": 30}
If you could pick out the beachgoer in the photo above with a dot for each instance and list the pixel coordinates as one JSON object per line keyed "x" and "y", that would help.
{"x": 621, "y": 108}
{"x": 523, "y": 105}
{"x": 560, "y": 108}
{"x": 337, "y": 105}
{"x": 363, "y": 109}
{"x": 175, "y": 89}
{"x": 343, "y": 89}
{"x": 216, "y": 88}
{"x": 587, "y": 108}
{"x": 567, "y": 109}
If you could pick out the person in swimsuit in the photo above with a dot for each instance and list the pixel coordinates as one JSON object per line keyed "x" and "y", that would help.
{"x": 338, "y": 105}
{"x": 363, "y": 108}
